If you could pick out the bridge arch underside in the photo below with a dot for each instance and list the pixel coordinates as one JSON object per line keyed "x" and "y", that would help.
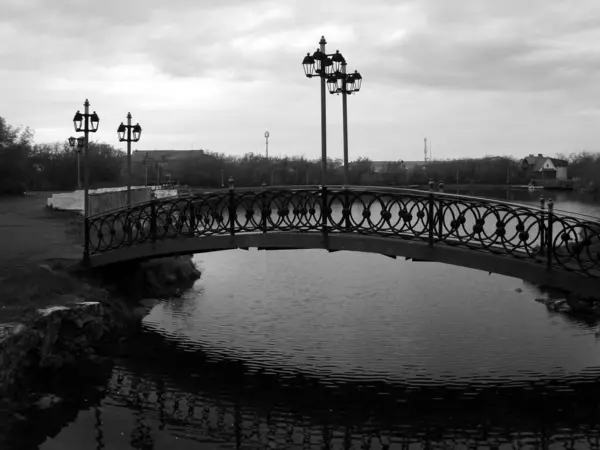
{"x": 531, "y": 271}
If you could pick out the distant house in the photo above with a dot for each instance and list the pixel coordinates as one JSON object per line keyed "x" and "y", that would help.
{"x": 543, "y": 167}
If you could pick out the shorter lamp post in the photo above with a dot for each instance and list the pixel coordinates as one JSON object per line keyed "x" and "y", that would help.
{"x": 346, "y": 84}
{"x": 80, "y": 141}
{"x": 125, "y": 135}
{"x": 86, "y": 123}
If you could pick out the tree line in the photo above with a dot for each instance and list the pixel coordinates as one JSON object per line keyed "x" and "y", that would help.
{"x": 27, "y": 166}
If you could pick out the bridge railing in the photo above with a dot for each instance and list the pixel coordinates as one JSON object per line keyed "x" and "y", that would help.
{"x": 541, "y": 235}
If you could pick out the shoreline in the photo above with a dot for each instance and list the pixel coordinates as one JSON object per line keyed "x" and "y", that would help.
{"x": 45, "y": 351}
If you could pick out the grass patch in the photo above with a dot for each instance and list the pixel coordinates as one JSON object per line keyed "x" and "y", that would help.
{"x": 24, "y": 290}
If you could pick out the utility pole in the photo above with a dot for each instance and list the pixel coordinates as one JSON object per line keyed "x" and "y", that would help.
{"x": 267, "y": 143}
{"x": 425, "y": 151}
{"x": 146, "y": 167}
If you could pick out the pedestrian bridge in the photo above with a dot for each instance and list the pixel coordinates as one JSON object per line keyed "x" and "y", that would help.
{"x": 539, "y": 244}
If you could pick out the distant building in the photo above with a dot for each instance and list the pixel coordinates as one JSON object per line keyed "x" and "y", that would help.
{"x": 164, "y": 155}
{"x": 543, "y": 167}
{"x": 394, "y": 166}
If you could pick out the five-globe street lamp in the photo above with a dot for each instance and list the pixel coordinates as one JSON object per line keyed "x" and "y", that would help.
{"x": 320, "y": 65}
{"x": 125, "y": 135}
{"x": 342, "y": 83}
{"x": 86, "y": 123}
{"x": 77, "y": 149}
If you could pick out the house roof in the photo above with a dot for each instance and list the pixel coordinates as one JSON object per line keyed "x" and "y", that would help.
{"x": 559, "y": 162}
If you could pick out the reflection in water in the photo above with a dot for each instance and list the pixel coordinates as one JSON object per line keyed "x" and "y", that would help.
{"x": 305, "y": 349}
{"x": 98, "y": 426}
{"x": 226, "y": 405}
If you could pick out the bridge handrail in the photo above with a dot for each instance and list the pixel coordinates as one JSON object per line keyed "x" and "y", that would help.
{"x": 486, "y": 200}
{"x": 394, "y": 189}
{"x": 516, "y": 230}
{"x": 364, "y": 189}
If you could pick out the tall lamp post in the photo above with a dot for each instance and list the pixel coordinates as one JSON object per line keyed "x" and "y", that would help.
{"x": 125, "y": 135}
{"x": 86, "y": 123}
{"x": 77, "y": 149}
{"x": 320, "y": 65}
{"x": 342, "y": 83}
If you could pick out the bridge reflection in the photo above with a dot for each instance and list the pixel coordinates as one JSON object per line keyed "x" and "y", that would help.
{"x": 197, "y": 399}
{"x": 160, "y": 408}
{"x": 166, "y": 393}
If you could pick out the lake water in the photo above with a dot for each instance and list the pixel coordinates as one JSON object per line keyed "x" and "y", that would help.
{"x": 307, "y": 349}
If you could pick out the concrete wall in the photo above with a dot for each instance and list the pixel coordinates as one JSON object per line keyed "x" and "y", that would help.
{"x": 107, "y": 201}
{"x": 162, "y": 193}
{"x": 103, "y": 199}
{"x": 69, "y": 201}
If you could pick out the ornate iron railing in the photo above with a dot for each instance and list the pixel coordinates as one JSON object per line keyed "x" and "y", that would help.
{"x": 565, "y": 241}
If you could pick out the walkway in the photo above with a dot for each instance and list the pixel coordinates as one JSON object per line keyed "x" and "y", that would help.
{"x": 29, "y": 232}
{"x": 33, "y": 238}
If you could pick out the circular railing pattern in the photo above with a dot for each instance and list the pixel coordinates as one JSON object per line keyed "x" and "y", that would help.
{"x": 519, "y": 231}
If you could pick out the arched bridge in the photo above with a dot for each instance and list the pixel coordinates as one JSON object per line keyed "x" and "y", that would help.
{"x": 541, "y": 245}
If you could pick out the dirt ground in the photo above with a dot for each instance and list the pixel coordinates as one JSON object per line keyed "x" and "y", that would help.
{"x": 30, "y": 232}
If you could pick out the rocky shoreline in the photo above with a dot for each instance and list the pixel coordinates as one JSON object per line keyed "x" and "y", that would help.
{"x": 83, "y": 328}
{"x": 572, "y": 305}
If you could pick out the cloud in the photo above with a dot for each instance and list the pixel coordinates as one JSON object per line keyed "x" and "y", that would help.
{"x": 468, "y": 71}
{"x": 487, "y": 45}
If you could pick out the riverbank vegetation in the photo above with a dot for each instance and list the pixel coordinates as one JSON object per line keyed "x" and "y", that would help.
{"x": 27, "y": 166}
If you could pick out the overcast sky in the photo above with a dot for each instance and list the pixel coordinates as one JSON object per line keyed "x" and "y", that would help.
{"x": 476, "y": 77}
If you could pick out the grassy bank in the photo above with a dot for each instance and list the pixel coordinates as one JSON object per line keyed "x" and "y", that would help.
{"x": 34, "y": 286}
{"x": 40, "y": 265}
{"x": 27, "y": 288}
